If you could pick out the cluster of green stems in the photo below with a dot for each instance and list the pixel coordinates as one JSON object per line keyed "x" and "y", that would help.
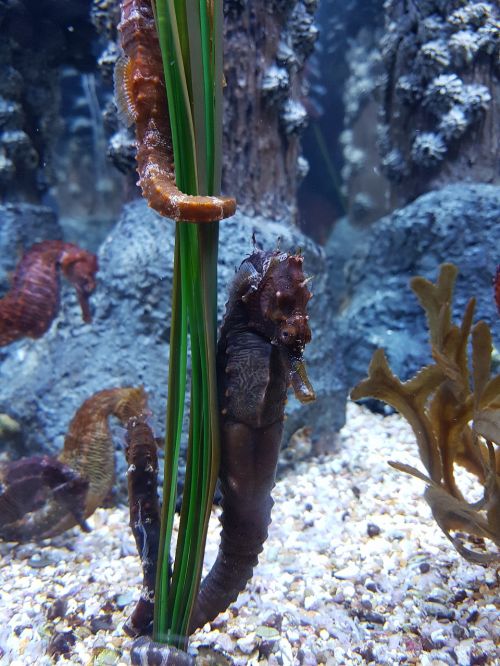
{"x": 190, "y": 34}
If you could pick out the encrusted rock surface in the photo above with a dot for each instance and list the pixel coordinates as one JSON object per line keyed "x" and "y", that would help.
{"x": 422, "y": 101}
{"x": 267, "y": 44}
{"x": 37, "y": 38}
{"x": 440, "y": 94}
{"x": 22, "y": 225}
{"x": 458, "y": 224}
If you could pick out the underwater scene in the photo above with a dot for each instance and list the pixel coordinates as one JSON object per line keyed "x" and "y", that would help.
{"x": 249, "y": 332}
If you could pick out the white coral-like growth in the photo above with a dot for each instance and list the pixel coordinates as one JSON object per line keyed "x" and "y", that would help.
{"x": 275, "y": 80}
{"x": 443, "y": 92}
{"x": 293, "y": 117}
{"x": 489, "y": 35}
{"x": 433, "y": 57}
{"x": 474, "y": 14}
{"x": 475, "y": 98}
{"x": 302, "y": 167}
{"x": 432, "y": 27}
{"x": 428, "y": 149}
{"x": 408, "y": 88}
{"x": 464, "y": 46}
{"x": 355, "y": 158}
{"x": 394, "y": 165}
{"x": 454, "y": 123}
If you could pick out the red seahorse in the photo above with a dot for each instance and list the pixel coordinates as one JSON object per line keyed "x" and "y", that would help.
{"x": 43, "y": 496}
{"x": 33, "y": 300}
{"x": 141, "y": 97}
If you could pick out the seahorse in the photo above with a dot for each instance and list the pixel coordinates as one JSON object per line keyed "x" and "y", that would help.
{"x": 32, "y": 302}
{"x": 142, "y": 477}
{"x": 259, "y": 356}
{"x": 141, "y": 99}
{"x": 43, "y": 496}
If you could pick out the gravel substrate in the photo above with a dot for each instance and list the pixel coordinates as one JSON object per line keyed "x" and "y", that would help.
{"x": 354, "y": 571}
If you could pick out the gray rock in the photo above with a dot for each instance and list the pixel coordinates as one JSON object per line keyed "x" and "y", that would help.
{"x": 22, "y": 225}
{"x": 45, "y": 381}
{"x": 458, "y": 224}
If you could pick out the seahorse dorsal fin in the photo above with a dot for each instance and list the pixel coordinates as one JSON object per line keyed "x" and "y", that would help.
{"x": 123, "y": 95}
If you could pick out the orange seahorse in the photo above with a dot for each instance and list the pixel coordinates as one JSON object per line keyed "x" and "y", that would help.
{"x": 141, "y": 98}
{"x": 43, "y": 496}
{"x": 32, "y": 302}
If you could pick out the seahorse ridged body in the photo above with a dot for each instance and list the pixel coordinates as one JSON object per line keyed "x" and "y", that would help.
{"x": 32, "y": 302}
{"x": 259, "y": 357}
{"x": 141, "y": 97}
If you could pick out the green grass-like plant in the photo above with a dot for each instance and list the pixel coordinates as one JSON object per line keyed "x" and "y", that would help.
{"x": 190, "y": 34}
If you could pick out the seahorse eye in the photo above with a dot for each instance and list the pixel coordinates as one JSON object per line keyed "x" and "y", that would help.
{"x": 287, "y": 335}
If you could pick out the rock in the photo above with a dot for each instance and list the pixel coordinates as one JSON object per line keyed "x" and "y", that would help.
{"x": 22, "y": 225}
{"x": 372, "y": 530}
{"x": 58, "y": 608}
{"x": 351, "y": 572}
{"x": 248, "y": 643}
{"x": 458, "y": 223}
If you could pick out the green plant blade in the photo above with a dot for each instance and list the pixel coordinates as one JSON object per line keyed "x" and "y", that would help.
{"x": 190, "y": 33}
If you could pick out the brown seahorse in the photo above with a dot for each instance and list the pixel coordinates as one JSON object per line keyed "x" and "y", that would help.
{"x": 32, "y": 302}
{"x": 43, "y": 496}
{"x": 142, "y": 477}
{"x": 259, "y": 357}
{"x": 141, "y": 98}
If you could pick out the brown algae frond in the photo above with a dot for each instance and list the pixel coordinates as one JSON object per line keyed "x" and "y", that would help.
{"x": 453, "y": 407}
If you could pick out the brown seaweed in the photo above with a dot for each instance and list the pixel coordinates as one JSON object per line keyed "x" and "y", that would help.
{"x": 43, "y": 496}
{"x": 454, "y": 413}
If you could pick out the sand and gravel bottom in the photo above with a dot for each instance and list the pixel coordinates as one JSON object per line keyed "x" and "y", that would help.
{"x": 355, "y": 571}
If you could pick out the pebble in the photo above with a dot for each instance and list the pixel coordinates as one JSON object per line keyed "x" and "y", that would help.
{"x": 225, "y": 642}
{"x": 350, "y": 572}
{"x": 372, "y": 530}
{"x": 326, "y": 594}
{"x": 247, "y": 644}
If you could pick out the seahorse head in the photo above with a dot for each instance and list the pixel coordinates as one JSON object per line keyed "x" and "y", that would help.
{"x": 80, "y": 267}
{"x": 277, "y": 306}
{"x": 284, "y": 298}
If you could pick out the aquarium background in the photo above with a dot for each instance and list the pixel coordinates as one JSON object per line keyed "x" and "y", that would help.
{"x": 364, "y": 133}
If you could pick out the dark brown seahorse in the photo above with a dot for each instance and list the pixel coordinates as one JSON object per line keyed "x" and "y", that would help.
{"x": 42, "y": 496}
{"x": 141, "y": 98}
{"x": 141, "y": 454}
{"x": 259, "y": 357}
{"x": 142, "y": 476}
{"x": 32, "y": 302}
